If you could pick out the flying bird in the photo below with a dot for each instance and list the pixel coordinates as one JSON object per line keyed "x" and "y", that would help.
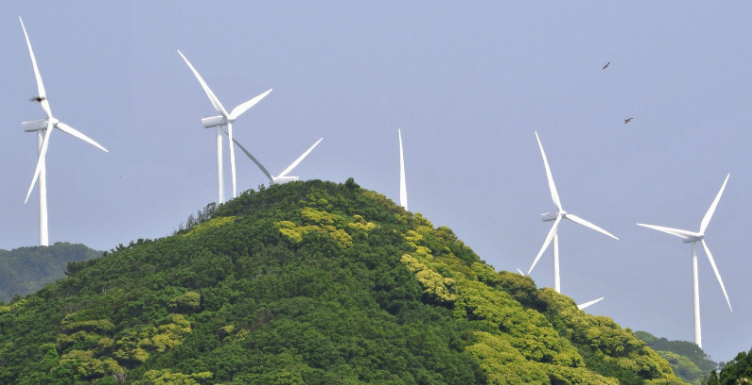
{"x": 38, "y": 99}
{"x": 627, "y": 120}
{"x": 606, "y": 66}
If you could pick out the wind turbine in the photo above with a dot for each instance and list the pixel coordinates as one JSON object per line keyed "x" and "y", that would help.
{"x": 403, "y": 186}
{"x": 556, "y": 217}
{"x": 43, "y": 128}
{"x": 282, "y": 177}
{"x": 693, "y": 237}
{"x": 224, "y": 119}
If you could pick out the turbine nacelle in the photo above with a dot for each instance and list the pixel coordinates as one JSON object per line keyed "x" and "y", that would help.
{"x": 551, "y": 216}
{"x": 214, "y": 121}
{"x": 696, "y": 238}
{"x": 36, "y": 125}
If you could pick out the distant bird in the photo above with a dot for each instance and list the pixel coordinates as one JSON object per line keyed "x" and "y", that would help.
{"x": 627, "y": 120}
{"x": 606, "y": 66}
{"x": 38, "y": 99}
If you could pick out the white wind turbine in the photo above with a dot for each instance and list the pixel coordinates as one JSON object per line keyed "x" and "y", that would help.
{"x": 282, "y": 177}
{"x": 693, "y": 237}
{"x": 556, "y": 217}
{"x": 224, "y": 119}
{"x": 43, "y": 128}
{"x": 403, "y": 186}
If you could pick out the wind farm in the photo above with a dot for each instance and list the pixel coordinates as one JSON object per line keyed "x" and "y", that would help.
{"x": 470, "y": 95}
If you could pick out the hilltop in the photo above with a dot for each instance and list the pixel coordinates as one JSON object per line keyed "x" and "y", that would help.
{"x": 310, "y": 283}
{"x": 26, "y": 269}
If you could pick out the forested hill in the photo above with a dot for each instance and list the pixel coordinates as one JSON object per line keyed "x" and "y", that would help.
{"x": 26, "y": 269}
{"x": 686, "y": 359}
{"x": 310, "y": 283}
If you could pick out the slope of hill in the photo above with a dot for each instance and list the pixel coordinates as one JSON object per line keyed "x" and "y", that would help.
{"x": 310, "y": 283}
{"x": 687, "y": 360}
{"x": 26, "y": 269}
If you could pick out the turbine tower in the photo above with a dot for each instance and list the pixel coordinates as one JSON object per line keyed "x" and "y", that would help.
{"x": 403, "y": 186}
{"x": 556, "y": 217}
{"x": 694, "y": 237}
{"x": 43, "y": 128}
{"x": 223, "y": 119}
{"x": 282, "y": 177}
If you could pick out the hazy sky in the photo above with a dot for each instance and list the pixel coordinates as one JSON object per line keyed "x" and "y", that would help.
{"x": 467, "y": 83}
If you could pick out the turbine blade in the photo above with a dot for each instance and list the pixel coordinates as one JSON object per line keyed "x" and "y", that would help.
{"x": 586, "y": 304}
{"x": 240, "y": 109}
{"x": 578, "y": 220}
{"x": 521, "y": 273}
{"x": 551, "y": 185}
{"x": 248, "y": 154}
{"x": 403, "y": 186}
{"x": 40, "y": 85}
{"x": 706, "y": 219}
{"x": 549, "y": 237}
{"x": 40, "y": 162}
{"x": 717, "y": 274}
{"x": 683, "y": 234}
{"x": 300, "y": 159}
{"x": 213, "y": 98}
{"x": 72, "y": 131}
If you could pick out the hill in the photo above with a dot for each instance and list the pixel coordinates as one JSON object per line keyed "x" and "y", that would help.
{"x": 310, "y": 283}
{"x": 687, "y": 360}
{"x": 26, "y": 269}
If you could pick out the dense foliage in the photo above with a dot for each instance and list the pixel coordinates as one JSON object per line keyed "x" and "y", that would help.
{"x": 26, "y": 269}
{"x": 310, "y": 283}
{"x": 687, "y": 360}
{"x": 737, "y": 371}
